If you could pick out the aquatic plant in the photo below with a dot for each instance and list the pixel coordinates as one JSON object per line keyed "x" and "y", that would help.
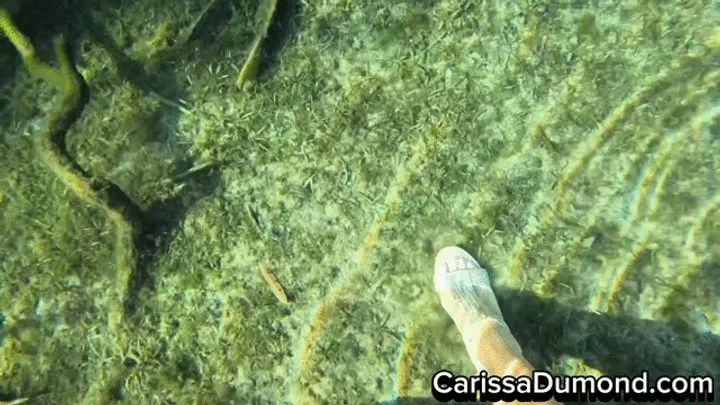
{"x": 52, "y": 149}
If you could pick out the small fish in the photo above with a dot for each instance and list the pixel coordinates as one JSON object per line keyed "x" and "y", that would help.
{"x": 275, "y": 286}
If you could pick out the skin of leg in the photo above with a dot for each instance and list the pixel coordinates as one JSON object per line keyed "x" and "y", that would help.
{"x": 467, "y": 296}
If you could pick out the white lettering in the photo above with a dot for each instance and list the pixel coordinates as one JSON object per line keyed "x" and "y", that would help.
{"x": 442, "y": 388}
{"x": 542, "y": 386}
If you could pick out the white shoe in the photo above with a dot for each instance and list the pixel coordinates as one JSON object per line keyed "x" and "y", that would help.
{"x": 463, "y": 285}
{"x": 467, "y": 296}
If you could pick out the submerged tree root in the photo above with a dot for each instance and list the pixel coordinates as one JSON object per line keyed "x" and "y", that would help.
{"x": 126, "y": 216}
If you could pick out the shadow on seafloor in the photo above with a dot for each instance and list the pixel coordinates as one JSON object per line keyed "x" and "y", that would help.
{"x": 615, "y": 345}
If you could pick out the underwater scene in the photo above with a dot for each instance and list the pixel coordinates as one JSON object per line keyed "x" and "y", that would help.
{"x": 247, "y": 201}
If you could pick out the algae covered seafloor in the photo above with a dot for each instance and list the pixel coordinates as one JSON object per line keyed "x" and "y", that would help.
{"x": 574, "y": 147}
